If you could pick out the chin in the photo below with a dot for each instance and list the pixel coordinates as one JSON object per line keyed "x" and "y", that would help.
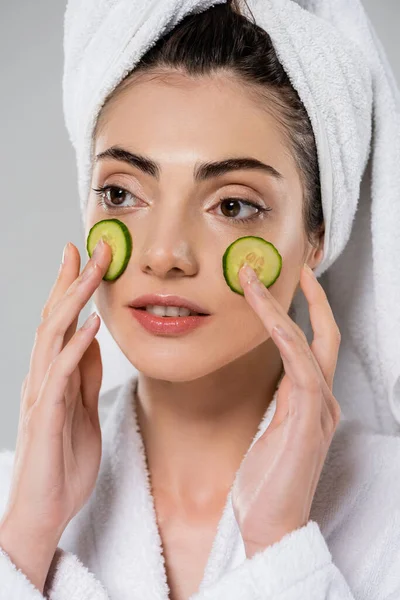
{"x": 172, "y": 368}
{"x": 183, "y": 365}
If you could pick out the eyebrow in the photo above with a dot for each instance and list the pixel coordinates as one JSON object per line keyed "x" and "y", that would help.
{"x": 202, "y": 171}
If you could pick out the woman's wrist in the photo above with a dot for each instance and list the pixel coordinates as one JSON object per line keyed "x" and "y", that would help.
{"x": 252, "y": 549}
{"x": 29, "y": 550}
{"x": 253, "y": 546}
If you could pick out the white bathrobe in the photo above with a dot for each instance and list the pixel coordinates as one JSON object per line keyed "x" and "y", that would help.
{"x": 111, "y": 550}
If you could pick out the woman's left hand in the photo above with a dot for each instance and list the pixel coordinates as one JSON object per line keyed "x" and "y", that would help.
{"x": 276, "y": 483}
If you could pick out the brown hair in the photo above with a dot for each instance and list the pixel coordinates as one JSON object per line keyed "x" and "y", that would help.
{"x": 222, "y": 38}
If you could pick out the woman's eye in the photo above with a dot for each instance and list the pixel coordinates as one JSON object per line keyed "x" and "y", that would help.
{"x": 112, "y": 197}
{"x": 231, "y": 208}
{"x": 237, "y": 210}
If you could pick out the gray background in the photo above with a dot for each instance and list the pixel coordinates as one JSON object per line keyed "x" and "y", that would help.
{"x": 39, "y": 198}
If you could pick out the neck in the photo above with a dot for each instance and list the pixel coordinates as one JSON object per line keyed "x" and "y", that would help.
{"x": 196, "y": 433}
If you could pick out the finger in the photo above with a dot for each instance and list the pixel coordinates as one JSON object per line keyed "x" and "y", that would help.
{"x": 299, "y": 363}
{"x": 325, "y": 344}
{"x": 261, "y": 299}
{"x": 91, "y": 377}
{"x": 22, "y": 403}
{"x": 319, "y": 405}
{"x": 326, "y": 334}
{"x": 24, "y": 383}
{"x": 68, "y": 272}
{"x": 50, "y": 334}
{"x": 268, "y": 308}
{"x": 300, "y": 368}
{"x": 264, "y": 303}
{"x": 51, "y": 399}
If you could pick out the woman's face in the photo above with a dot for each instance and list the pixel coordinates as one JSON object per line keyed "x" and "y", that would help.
{"x": 181, "y": 227}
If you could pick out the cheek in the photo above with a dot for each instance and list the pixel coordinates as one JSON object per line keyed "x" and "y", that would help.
{"x": 236, "y": 331}
{"x": 284, "y": 288}
{"x": 238, "y": 320}
{"x": 292, "y": 249}
{"x": 108, "y": 301}
{"x": 233, "y": 333}
{"x": 91, "y": 216}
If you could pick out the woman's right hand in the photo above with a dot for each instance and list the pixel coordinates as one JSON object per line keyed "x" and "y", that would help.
{"x": 58, "y": 448}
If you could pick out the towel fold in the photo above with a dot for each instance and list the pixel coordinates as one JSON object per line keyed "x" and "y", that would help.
{"x": 338, "y": 66}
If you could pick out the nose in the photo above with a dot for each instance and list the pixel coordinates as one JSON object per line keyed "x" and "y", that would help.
{"x": 169, "y": 253}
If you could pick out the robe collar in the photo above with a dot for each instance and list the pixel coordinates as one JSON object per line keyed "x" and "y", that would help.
{"x": 118, "y": 530}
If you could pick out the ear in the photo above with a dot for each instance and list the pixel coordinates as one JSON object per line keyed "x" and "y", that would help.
{"x": 316, "y": 253}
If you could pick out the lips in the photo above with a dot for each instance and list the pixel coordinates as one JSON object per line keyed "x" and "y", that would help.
{"x": 192, "y": 313}
{"x": 168, "y": 325}
{"x": 167, "y": 300}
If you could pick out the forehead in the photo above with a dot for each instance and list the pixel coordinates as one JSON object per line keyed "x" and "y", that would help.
{"x": 209, "y": 115}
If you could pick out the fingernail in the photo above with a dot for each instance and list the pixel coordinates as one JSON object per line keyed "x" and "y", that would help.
{"x": 65, "y": 254}
{"x": 256, "y": 285}
{"x": 90, "y": 321}
{"x": 98, "y": 249}
{"x": 249, "y": 272}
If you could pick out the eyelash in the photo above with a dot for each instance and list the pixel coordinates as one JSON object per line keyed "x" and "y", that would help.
{"x": 101, "y": 191}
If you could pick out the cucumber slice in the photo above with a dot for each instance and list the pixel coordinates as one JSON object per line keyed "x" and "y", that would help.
{"x": 117, "y": 235}
{"x": 261, "y": 255}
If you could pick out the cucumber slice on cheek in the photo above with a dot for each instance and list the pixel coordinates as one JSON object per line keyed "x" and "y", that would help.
{"x": 118, "y": 237}
{"x": 261, "y": 255}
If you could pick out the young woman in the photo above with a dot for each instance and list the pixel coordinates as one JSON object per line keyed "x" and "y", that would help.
{"x": 224, "y": 469}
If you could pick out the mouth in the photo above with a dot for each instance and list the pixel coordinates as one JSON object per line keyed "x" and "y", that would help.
{"x": 170, "y": 312}
{"x": 170, "y": 324}
{"x": 168, "y": 305}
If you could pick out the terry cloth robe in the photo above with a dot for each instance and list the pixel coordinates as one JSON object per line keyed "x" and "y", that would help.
{"x": 111, "y": 550}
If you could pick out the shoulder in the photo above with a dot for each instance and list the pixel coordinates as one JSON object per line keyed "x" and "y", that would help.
{"x": 357, "y": 506}
{"x": 6, "y": 471}
{"x": 362, "y": 455}
{"x": 358, "y": 494}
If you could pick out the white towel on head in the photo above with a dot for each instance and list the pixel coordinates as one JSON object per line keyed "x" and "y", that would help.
{"x": 338, "y": 66}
